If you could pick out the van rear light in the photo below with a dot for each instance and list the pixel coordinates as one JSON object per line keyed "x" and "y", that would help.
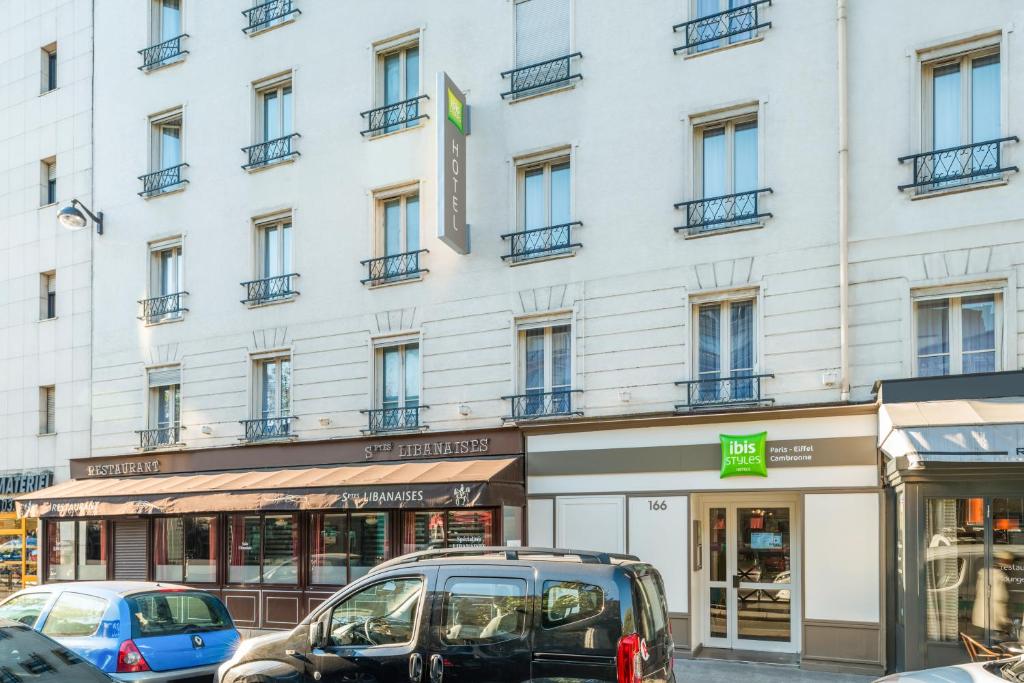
{"x": 130, "y": 660}
{"x": 629, "y": 663}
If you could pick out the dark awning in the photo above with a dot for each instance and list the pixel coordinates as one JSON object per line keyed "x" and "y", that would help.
{"x": 459, "y": 482}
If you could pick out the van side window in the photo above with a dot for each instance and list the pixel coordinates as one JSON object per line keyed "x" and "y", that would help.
{"x": 483, "y": 611}
{"x": 565, "y": 602}
{"x": 75, "y": 616}
{"x": 383, "y": 614}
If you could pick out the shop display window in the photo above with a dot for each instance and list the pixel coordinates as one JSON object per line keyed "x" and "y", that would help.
{"x": 19, "y": 552}
{"x": 184, "y": 549}
{"x": 77, "y": 550}
{"x": 263, "y": 549}
{"x": 427, "y": 530}
{"x": 344, "y": 547}
{"x": 368, "y": 542}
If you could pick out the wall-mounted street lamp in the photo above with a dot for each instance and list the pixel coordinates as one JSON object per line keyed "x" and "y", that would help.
{"x": 71, "y": 218}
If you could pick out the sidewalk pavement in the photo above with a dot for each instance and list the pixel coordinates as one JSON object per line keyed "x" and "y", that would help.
{"x": 718, "y": 671}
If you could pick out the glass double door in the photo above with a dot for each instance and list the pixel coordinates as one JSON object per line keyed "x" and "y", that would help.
{"x": 749, "y": 577}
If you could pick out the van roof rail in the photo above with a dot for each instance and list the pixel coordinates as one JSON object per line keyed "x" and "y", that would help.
{"x": 511, "y": 553}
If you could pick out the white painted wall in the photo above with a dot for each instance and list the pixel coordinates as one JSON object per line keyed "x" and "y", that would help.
{"x": 591, "y": 523}
{"x": 540, "y": 519}
{"x": 841, "y": 550}
{"x": 659, "y": 534}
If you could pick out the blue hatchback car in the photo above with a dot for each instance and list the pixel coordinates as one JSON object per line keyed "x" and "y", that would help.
{"x": 158, "y": 633}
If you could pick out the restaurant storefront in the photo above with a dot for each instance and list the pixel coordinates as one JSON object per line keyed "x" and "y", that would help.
{"x": 276, "y": 529}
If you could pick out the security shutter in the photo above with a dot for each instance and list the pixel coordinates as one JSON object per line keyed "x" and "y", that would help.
{"x": 542, "y": 30}
{"x": 165, "y": 377}
{"x": 51, "y": 410}
{"x": 131, "y": 561}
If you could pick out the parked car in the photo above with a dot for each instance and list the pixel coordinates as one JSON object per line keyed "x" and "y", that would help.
{"x": 483, "y": 614}
{"x": 37, "y": 658}
{"x": 133, "y": 631}
{"x": 989, "y": 672}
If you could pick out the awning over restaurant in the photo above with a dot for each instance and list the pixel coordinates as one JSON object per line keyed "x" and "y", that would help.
{"x": 967, "y": 431}
{"x": 459, "y": 482}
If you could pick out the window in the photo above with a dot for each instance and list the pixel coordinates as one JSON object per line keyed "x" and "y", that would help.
{"x": 544, "y": 221}
{"x": 426, "y": 530}
{"x": 483, "y": 611}
{"x": 274, "y": 262}
{"x": 382, "y": 614}
{"x": 263, "y": 549}
{"x": 275, "y": 382}
{"x": 721, "y": 22}
{"x": 48, "y": 295}
{"x": 185, "y": 549}
{"x": 398, "y": 396}
{"x": 275, "y": 123}
{"x": 164, "y": 407}
{"x": 166, "y": 20}
{"x": 266, "y": 14}
{"x": 174, "y": 613}
{"x": 566, "y": 602}
{"x": 344, "y": 547}
{"x": 545, "y": 359}
{"x": 47, "y": 410}
{"x": 25, "y": 608}
{"x": 543, "y": 59}
{"x": 166, "y": 278}
{"x": 49, "y": 181}
{"x": 166, "y": 157}
{"x": 398, "y": 81}
{"x": 726, "y": 351}
{"x": 964, "y": 99}
{"x": 958, "y": 334}
{"x": 400, "y": 229}
{"x": 74, "y": 615}
{"x": 166, "y": 35}
{"x": 49, "y": 63}
{"x": 76, "y": 550}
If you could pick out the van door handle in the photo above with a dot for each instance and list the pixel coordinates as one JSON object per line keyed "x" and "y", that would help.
{"x": 415, "y": 667}
{"x": 436, "y": 668}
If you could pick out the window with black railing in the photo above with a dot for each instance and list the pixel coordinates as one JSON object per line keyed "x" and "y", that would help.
{"x": 398, "y": 239}
{"x": 740, "y": 388}
{"x": 952, "y": 167}
{"x": 398, "y": 395}
{"x": 163, "y": 308}
{"x": 728, "y": 211}
{"x": 533, "y": 79}
{"x": 545, "y": 371}
{"x": 165, "y": 52}
{"x": 396, "y": 116}
{"x": 394, "y": 268}
{"x": 165, "y": 131}
{"x": 270, "y": 151}
{"x": 276, "y": 281}
{"x": 554, "y": 240}
{"x": 163, "y": 181}
{"x": 406, "y": 418}
{"x": 275, "y": 134}
{"x": 164, "y": 408}
{"x": 273, "y": 384}
{"x": 720, "y": 23}
{"x": 540, "y": 404}
{"x": 270, "y": 289}
{"x": 159, "y": 437}
{"x": 266, "y": 15}
{"x": 267, "y": 428}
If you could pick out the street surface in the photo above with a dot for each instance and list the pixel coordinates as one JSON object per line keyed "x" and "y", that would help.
{"x": 717, "y": 671}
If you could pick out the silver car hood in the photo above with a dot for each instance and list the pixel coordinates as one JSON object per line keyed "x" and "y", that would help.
{"x": 963, "y": 673}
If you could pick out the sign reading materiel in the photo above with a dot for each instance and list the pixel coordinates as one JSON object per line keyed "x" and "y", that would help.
{"x": 452, "y": 120}
{"x": 744, "y": 455}
{"x": 22, "y": 482}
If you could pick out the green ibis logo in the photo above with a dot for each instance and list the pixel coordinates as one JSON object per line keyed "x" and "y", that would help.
{"x": 744, "y": 456}
{"x": 455, "y": 111}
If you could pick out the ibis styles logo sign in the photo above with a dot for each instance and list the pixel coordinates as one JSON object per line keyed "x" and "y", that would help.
{"x": 744, "y": 455}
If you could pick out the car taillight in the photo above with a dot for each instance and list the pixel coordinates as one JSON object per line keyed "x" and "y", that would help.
{"x": 629, "y": 662}
{"x": 130, "y": 660}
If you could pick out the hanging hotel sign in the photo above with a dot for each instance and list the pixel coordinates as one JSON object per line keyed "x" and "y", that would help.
{"x": 452, "y": 126}
{"x": 23, "y": 482}
{"x": 744, "y": 455}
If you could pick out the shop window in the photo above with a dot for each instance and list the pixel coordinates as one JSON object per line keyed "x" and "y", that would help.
{"x": 958, "y": 334}
{"x": 263, "y": 549}
{"x": 344, "y": 547}
{"x": 77, "y": 550}
{"x": 426, "y": 530}
{"x": 391, "y": 607}
{"x": 74, "y": 616}
{"x": 566, "y": 602}
{"x": 483, "y": 611}
{"x": 185, "y": 549}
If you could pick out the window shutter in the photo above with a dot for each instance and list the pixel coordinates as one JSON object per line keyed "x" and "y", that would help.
{"x": 51, "y": 171}
{"x": 542, "y": 31}
{"x": 131, "y": 558}
{"x": 51, "y": 410}
{"x": 51, "y": 284}
{"x": 165, "y": 377}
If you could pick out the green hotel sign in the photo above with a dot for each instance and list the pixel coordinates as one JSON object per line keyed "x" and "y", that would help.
{"x": 744, "y": 455}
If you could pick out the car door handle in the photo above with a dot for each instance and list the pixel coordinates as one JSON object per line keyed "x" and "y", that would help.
{"x": 415, "y": 667}
{"x": 436, "y": 669}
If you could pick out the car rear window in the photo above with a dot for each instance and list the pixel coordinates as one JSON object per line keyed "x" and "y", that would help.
{"x": 565, "y": 602}
{"x": 651, "y": 601}
{"x": 24, "y": 608}
{"x": 75, "y": 616}
{"x": 169, "y": 613}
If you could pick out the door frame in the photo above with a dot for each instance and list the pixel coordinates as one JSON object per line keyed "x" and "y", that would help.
{"x": 701, "y": 505}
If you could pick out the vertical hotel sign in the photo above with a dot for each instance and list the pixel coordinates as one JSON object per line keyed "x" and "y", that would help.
{"x": 452, "y": 120}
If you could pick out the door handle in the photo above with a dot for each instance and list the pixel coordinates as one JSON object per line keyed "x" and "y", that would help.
{"x": 436, "y": 668}
{"x": 415, "y": 667}
{"x": 735, "y": 580}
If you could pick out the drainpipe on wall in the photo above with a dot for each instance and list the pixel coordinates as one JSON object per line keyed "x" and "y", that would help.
{"x": 844, "y": 207}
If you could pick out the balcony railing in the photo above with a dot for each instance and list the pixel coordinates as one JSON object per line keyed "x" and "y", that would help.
{"x": 164, "y": 180}
{"x": 540, "y": 242}
{"x": 727, "y": 211}
{"x": 535, "y": 78}
{"x": 263, "y": 153}
{"x": 269, "y": 289}
{"x": 392, "y": 117}
{"x": 160, "y": 437}
{"x": 160, "y": 308}
{"x": 266, "y": 14}
{"x": 535, "y": 405}
{"x": 954, "y": 166}
{"x": 393, "y": 419}
{"x": 736, "y": 24}
{"x": 394, "y": 268}
{"x": 155, "y": 56}
{"x": 266, "y": 428}
{"x": 723, "y": 391}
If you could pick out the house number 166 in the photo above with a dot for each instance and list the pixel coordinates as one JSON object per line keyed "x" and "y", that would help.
{"x": 659, "y": 505}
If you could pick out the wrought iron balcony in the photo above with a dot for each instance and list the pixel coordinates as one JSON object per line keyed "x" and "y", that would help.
{"x": 394, "y": 268}
{"x": 161, "y": 54}
{"x": 701, "y": 32}
{"x": 724, "y": 391}
{"x": 263, "y": 153}
{"x": 554, "y": 240}
{"x": 954, "y": 166}
{"x": 392, "y": 117}
{"x": 269, "y": 289}
{"x": 535, "y": 78}
{"x": 535, "y": 405}
{"x": 393, "y": 419}
{"x": 164, "y": 180}
{"x": 160, "y": 437}
{"x": 266, "y": 14}
{"x": 161, "y": 308}
{"x": 727, "y": 211}
{"x": 267, "y": 428}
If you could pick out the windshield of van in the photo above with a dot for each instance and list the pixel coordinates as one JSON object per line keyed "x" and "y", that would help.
{"x": 169, "y": 613}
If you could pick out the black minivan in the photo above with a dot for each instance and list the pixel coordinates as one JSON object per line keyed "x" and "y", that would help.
{"x": 484, "y": 615}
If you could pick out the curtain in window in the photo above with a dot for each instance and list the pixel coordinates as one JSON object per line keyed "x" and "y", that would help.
{"x": 709, "y": 361}
{"x": 561, "y": 379}
{"x": 170, "y": 19}
{"x": 170, "y": 146}
{"x": 744, "y": 168}
{"x": 168, "y": 549}
{"x": 713, "y": 177}
{"x": 270, "y": 388}
{"x": 704, "y": 31}
{"x": 393, "y": 227}
{"x": 412, "y": 73}
{"x": 978, "y": 324}
{"x": 740, "y": 20}
{"x": 933, "y": 338}
{"x": 985, "y": 110}
{"x": 390, "y": 369}
{"x": 168, "y": 406}
{"x": 542, "y": 31}
{"x": 170, "y": 271}
{"x": 534, "y": 372}
{"x": 534, "y": 210}
{"x": 561, "y": 205}
{"x": 412, "y": 223}
{"x": 741, "y": 351}
{"x": 412, "y": 376}
{"x": 393, "y": 78}
{"x": 271, "y": 116}
{"x": 946, "y": 107}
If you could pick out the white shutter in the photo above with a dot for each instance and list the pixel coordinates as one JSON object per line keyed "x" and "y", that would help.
{"x": 51, "y": 283}
{"x": 165, "y": 377}
{"x": 542, "y": 30}
{"x": 51, "y": 170}
{"x": 51, "y": 410}
{"x": 131, "y": 559}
